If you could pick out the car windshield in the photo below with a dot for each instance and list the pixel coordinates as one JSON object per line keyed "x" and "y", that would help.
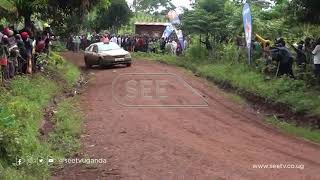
{"x": 108, "y": 47}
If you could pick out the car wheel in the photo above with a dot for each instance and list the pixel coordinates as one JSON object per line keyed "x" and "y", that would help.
{"x": 128, "y": 64}
{"x": 101, "y": 65}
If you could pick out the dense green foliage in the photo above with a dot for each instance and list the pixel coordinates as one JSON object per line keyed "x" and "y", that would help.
{"x": 151, "y": 6}
{"x": 294, "y": 93}
{"x": 113, "y": 17}
{"x": 221, "y": 20}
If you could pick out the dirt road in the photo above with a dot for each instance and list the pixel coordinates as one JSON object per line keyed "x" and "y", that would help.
{"x": 222, "y": 141}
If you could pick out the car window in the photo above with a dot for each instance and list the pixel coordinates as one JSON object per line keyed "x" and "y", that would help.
{"x": 95, "y": 48}
{"x": 108, "y": 47}
{"x": 89, "y": 48}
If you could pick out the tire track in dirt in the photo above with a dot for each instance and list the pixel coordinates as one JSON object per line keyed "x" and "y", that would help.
{"x": 222, "y": 141}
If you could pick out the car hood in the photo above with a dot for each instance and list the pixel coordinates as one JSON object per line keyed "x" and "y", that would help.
{"x": 116, "y": 52}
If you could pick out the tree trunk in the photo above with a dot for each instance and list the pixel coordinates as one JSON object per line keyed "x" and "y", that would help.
{"x": 27, "y": 20}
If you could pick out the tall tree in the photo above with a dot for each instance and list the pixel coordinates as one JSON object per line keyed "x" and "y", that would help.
{"x": 117, "y": 14}
{"x": 305, "y": 10}
{"x": 208, "y": 18}
{"x": 26, "y": 8}
{"x": 52, "y": 9}
{"x": 151, "y": 6}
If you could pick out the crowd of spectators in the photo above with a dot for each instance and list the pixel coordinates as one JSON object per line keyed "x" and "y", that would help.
{"x": 20, "y": 49}
{"x": 303, "y": 53}
{"x": 132, "y": 43}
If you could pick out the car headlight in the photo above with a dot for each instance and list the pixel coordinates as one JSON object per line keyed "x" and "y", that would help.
{"x": 127, "y": 56}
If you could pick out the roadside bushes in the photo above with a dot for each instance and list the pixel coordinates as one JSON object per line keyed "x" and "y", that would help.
{"x": 21, "y": 114}
{"x": 296, "y": 94}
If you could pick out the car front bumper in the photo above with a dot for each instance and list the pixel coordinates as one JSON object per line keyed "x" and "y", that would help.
{"x": 115, "y": 62}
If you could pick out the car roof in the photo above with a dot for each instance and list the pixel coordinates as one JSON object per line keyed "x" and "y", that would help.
{"x": 102, "y": 43}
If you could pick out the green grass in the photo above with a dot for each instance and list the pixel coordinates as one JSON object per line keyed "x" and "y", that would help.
{"x": 58, "y": 46}
{"x": 68, "y": 120}
{"x": 292, "y": 129}
{"x": 21, "y": 113}
{"x": 294, "y": 93}
{"x": 236, "y": 98}
{"x": 299, "y": 97}
{"x": 67, "y": 71}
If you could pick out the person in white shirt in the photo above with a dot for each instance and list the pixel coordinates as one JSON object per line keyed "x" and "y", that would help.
{"x": 114, "y": 39}
{"x": 316, "y": 59}
{"x": 119, "y": 40}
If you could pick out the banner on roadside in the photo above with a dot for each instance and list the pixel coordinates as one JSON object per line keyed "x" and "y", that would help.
{"x": 168, "y": 31}
{"x": 247, "y": 23}
{"x": 174, "y": 20}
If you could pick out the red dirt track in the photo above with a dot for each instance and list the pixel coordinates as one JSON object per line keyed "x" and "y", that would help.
{"x": 219, "y": 142}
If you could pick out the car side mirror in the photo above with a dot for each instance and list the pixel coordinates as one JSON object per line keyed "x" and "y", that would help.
{"x": 95, "y": 50}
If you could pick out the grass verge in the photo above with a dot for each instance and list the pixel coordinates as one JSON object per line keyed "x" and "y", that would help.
{"x": 67, "y": 120}
{"x": 292, "y": 129}
{"x": 21, "y": 114}
{"x": 295, "y": 94}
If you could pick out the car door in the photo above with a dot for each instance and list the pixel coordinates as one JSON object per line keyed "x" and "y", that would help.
{"x": 95, "y": 55}
{"x": 88, "y": 54}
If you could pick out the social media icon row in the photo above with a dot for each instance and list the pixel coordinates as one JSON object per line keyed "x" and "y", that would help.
{"x": 34, "y": 160}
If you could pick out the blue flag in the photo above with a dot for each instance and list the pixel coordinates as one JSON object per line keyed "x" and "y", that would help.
{"x": 247, "y": 23}
{"x": 167, "y": 32}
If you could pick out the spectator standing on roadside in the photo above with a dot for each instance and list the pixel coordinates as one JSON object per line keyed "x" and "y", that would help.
{"x": 46, "y": 36}
{"x": 300, "y": 57}
{"x": 4, "y": 53}
{"x": 22, "y": 63}
{"x": 28, "y": 46}
{"x": 12, "y": 47}
{"x": 119, "y": 40}
{"x": 162, "y": 45}
{"x": 284, "y": 58}
{"x": 316, "y": 59}
{"x": 76, "y": 42}
{"x": 114, "y": 39}
{"x": 308, "y": 50}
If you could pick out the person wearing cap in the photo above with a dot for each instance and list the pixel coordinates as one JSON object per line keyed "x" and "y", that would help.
{"x": 28, "y": 45}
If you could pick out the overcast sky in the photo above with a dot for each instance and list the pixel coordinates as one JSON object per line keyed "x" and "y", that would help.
{"x": 177, "y": 3}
